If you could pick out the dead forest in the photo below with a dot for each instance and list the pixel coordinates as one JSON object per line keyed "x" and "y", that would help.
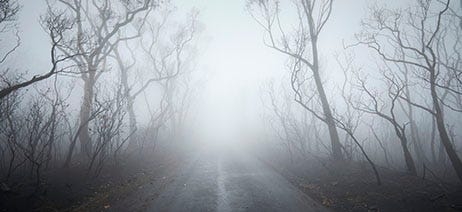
{"x": 123, "y": 86}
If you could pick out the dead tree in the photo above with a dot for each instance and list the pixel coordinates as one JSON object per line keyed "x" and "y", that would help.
{"x": 8, "y": 15}
{"x": 163, "y": 48}
{"x": 381, "y": 144}
{"x": 301, "y": 45}
{"x": 108, "y": 125}
{"x": 343, "y": 123}
{"x": 97, "y": 24}
{"x": 56, "y": 27}
{"x": 30, "y": 133}
{"x": 371, "y": 102}
{"x": 9, "y": 134}
{"x": 281, "y": 125}
{"x": 409, "y": 111}
{"x": 158, "y": 117}
{"x": 74, "y": 136}
{"x": 349, "y": 120}
{"x": 419, "y": 35}
{"x": 166, "y": 55}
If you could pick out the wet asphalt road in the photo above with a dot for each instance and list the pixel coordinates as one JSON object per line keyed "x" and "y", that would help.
{"x": 223, "y": 180}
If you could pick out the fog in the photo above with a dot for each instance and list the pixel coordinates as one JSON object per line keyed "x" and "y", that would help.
{"x": 249, "y": 105}
{"x": 232, "y": 60}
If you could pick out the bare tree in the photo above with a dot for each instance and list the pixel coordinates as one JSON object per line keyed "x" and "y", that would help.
{"x": 382, "y": 145}
{"x": 56, "y": 27}
{"x": 302, "y": 47}
{"x": 418, "y": 34}
{"x": 409, "y": 111}
{"x": 108, "y": 125}
{"x": 281, "y": 125}
{"x": 8, "y": 13}
{"x": 169, "y": 64}
{"x": 349, "y": 121}
{"x": 30, "y": 133}
{"x": 164, "y": 51}
{"x": 371, "y": 102}
{"x": 97, "y": 24}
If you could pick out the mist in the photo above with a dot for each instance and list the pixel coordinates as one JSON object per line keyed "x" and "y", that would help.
{"x": 214, "y": 105}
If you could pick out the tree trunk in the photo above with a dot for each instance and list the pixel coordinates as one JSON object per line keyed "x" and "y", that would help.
{"x": 410, "y": 164}
{"x": 67, "y": 162}
{"x": 444, "y": 137}
{"x": 414, "y": 131}
{"x": 132, "y": 123}
{"x": 446, "y": 142}
{"x": 132, "y": 143}
{"x": 432, "y": 137}
{"x": 85, "y": 112}
{"x": 416, "y": 141}
{"x": 131, "y": 111}
{"x": 441, "y": 154}
{"x": 329, "y": 119}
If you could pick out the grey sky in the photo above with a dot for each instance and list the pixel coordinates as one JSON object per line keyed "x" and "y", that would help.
{"x": 232, "y": 53}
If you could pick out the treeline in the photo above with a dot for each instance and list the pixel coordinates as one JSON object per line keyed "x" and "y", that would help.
{"x": 108, "y": 59}
{"x": 400, "y": 99}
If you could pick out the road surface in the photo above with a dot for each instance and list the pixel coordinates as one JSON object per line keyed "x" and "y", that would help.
{"x": 224, "y": 180}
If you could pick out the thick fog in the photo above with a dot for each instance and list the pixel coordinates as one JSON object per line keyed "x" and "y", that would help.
{"x": 231, "y": 63}
{"x": 327, "y": 101}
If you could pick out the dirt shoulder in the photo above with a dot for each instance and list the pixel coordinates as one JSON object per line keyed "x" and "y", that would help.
{"x": 133, "y": 193}
{"x": 73, "y": 189}
{"x": 352, "y": 187}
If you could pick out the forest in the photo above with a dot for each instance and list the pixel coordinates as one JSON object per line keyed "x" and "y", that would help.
{"x": 215, "y": 105}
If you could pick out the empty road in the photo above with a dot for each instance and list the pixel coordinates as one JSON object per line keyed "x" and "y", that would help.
{"x": 224, "y": 180}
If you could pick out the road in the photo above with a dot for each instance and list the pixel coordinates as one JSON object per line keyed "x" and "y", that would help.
{"x": 223, "y": 180}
